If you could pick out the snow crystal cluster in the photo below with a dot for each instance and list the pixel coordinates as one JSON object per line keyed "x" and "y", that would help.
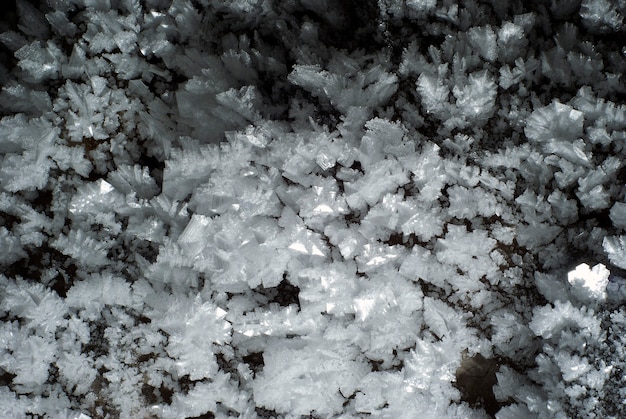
{"x": 263, "y": 208}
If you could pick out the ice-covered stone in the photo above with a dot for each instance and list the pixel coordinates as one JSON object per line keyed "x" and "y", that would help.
{"x": 198, "y": 178}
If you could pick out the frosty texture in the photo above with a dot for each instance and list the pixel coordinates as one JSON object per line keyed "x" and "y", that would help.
{"x": 252, "y": 208}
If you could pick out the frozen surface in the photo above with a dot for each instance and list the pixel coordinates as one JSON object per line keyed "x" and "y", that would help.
{"x": 251, "y": 209}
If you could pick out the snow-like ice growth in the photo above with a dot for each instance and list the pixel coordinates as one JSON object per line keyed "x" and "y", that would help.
{"x": 251, "y": 209}
{"x": 302, "y": 376}
{"x": 550, "y": 321}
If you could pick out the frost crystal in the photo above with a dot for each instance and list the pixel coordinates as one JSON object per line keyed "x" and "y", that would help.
{"x": 468, "y": 251}
{"x": 302, "y": 376}
{"x": 550, "y": 321}
{"x": 434, "y": 94}
{"x": 484, "y": 40}
{"x": 554, "y": 122}
{"x": 193, "y": 328}
{"x": 601, "y": 15}
{"x": 615, "y": 247}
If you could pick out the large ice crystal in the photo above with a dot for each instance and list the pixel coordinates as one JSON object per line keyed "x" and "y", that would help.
{"x": 549, "y": 321}
{"x": 476, "y": 100}
{"x": 370, "y": 88}
{"x": 80, "y": 245}
{"x": 556, "y": 121}
{"x": 434, "y": 94}
{"x": 590, "y": 282}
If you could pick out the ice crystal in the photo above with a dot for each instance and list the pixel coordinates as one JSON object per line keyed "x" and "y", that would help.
{"x": 308, "y": 377}
{"x": 549, "y": 321}
{"x": 556, "y": 121}
{"x": 98, "y": 291}
{"x": 193, "y": 328}
{"x": 468, "y": 251}
{"x": 615, "y": 248}
{"x": 434, "y": 94}
{"x": 484, "y": 40}
{"x": 601, "y": 15}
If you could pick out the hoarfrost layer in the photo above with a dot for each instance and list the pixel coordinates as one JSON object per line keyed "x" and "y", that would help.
{"x": 268, "y": 209}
